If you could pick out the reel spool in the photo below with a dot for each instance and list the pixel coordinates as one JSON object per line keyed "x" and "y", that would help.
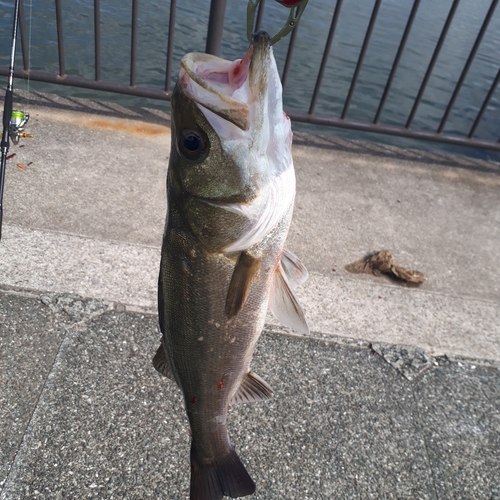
{"x": 18, "y": 121}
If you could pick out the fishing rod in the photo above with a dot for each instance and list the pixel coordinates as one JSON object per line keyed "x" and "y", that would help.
{"x": 7, "y": 110}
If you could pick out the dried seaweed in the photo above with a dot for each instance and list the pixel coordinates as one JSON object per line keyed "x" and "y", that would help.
{"x": 382, "y": 263}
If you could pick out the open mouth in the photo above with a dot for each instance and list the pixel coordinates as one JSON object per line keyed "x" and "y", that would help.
{"x": 226, "y": 88}
{"x": 225, "y": 77}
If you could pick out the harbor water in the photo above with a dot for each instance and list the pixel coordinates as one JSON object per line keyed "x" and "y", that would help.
{"x": 190, "y": 35}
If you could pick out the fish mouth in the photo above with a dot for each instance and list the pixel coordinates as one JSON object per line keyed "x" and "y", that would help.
{"x": 228, "y": 88}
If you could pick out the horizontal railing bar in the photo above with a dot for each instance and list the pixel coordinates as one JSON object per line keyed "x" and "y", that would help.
{"x": 361, "y": 58}
{"x": 87, "y": 83}
{"x": 430, "y": 68}
{"x": 397, "y": 59}
{"x": 393, "y": 130}
{"x": 326, "y": 53}
{"x": 75, "y": 81}
{"x": 468, "y": 64}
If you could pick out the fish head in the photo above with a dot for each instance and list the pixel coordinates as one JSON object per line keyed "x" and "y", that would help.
{"x": 231, "y": 162}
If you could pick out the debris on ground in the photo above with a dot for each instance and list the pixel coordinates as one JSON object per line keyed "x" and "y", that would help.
{"x": 382, "y": 263}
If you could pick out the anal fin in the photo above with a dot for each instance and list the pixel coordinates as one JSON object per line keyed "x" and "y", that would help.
{"x": 161, "y": 363}
{"x": 253, "y": 388}
{"x": 284, "y": 305}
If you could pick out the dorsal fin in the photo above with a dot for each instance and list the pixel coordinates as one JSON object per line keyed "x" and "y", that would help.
{"x": 161, "y": 364}
{"x": 295, "y": 272}
{"x": 253, "y": 388}
{"x": 241, "y": 280}
{"x": 284, "y": 305}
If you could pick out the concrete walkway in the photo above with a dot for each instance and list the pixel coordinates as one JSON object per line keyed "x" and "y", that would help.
{"x": 394, "y": 395}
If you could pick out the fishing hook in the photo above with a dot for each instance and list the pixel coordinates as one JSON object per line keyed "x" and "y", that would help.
{"x": 293, "y": 18}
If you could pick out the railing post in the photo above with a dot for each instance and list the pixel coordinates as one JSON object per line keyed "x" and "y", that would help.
{"x": 133, "y": 49}
{"x": 24, "y": 42}
{"x": 97, "y": 40}
{"x": 60, "y": 38}
{"x": 215, "y": 27}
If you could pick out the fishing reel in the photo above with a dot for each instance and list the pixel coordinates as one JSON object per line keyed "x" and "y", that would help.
{"x": 17, "y": 123}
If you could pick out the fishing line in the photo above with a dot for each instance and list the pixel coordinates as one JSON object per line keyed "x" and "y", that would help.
{"x": 29, "y": 53}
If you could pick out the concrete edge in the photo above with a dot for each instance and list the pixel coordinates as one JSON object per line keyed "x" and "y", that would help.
{"x": 378, "y": 348}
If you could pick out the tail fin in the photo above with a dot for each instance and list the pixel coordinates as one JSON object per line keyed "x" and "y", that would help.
{"x": 223, "y": 478}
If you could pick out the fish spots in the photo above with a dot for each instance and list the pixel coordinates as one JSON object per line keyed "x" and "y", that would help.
{"x": 200, "y": 339}
{"x": 221, "y": 383}
{"x": 232, "y": 340}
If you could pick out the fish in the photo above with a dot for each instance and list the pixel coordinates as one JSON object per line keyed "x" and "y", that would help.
{"x": 230, "y": 194}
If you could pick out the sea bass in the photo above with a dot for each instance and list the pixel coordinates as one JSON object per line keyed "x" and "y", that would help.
{"x": 230, "y": 190}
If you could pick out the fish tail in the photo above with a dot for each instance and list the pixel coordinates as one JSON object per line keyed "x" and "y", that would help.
{"x": 212, "y": 481}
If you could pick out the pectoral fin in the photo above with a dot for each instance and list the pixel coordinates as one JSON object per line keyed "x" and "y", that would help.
{"x": 293, "y": 269}
{"x": 253, "y": 388}
{"x": 284, "y": 305}
{"x": 241, "y": 280}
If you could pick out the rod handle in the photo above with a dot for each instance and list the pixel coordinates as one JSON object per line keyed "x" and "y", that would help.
{"x": 7, "y": 114}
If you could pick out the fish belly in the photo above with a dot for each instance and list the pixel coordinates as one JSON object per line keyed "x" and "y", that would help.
{"x": 210, "y": 354}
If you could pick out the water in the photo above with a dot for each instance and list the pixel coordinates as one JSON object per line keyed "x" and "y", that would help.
{"x": 191, "y": 22}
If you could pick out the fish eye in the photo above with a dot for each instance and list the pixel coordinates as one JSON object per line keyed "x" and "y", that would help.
{"x": 192, "y": 144}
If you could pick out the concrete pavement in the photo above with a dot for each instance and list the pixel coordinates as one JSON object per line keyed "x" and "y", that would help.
{"x": 394, "y": 395}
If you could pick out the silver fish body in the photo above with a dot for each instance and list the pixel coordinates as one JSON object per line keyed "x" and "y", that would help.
{"x": 230, "y": 189}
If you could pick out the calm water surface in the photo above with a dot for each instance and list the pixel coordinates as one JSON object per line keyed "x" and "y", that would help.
{"x": 191, "y": 22}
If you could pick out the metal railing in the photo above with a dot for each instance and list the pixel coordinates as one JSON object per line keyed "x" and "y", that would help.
{"x": 213, "y": 45}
